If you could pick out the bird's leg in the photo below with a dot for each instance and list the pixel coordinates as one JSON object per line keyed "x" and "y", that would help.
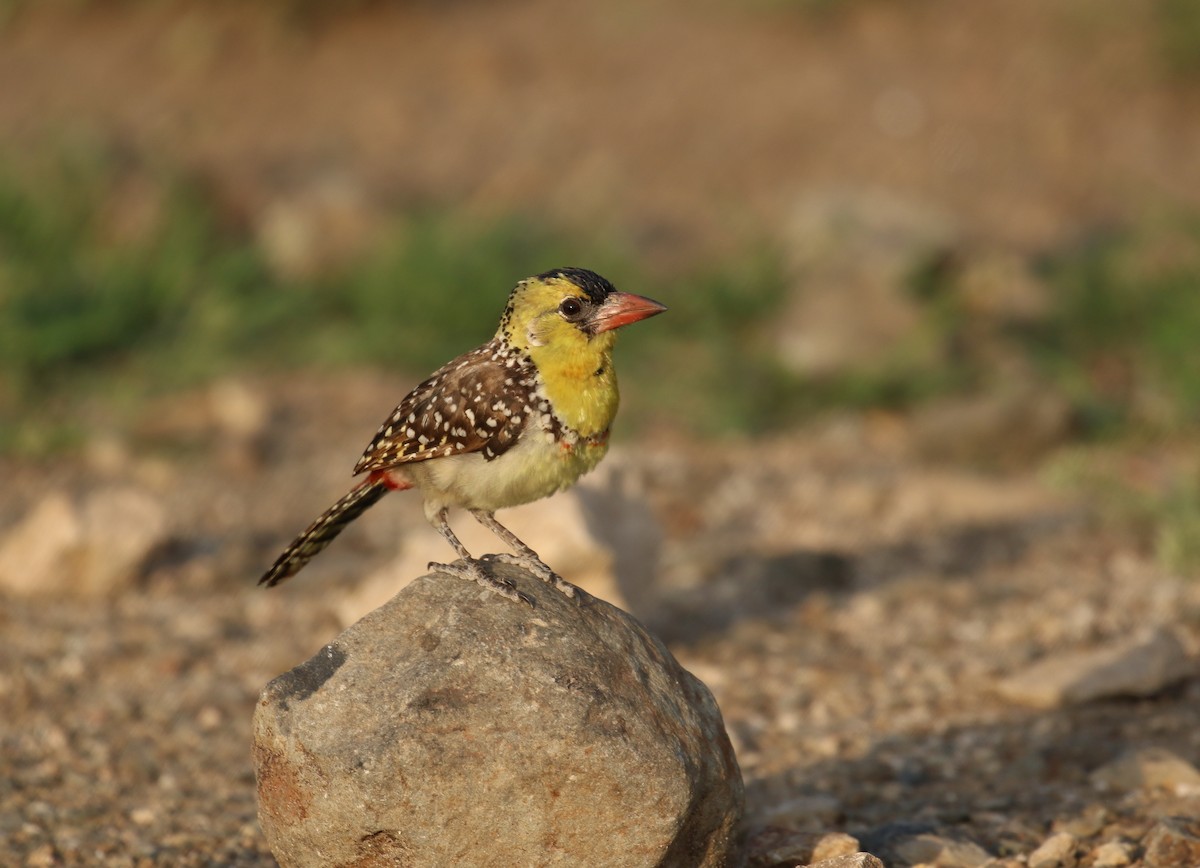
{"x": 469, "y": 568}
{"x": 525, "y": 556}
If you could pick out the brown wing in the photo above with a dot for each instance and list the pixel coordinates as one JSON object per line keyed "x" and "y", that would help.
{"x": 479, "y": 402}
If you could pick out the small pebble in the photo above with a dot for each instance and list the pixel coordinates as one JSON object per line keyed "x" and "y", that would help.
{"x": 834, "y": 844}
{"x": 209, "y": 718}
{"x": 849, "y": 860}
{"x": 942, "y": 851}
{"x": 142, "y": 816}
{"x": 1173, "y": 842}
{"x": 43, "y": 857}
{"x": 1057, "y": 851}
{"x": 1114, "y": 854}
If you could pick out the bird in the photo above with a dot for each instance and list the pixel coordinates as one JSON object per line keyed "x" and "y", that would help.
{"x": 513, "y": 421}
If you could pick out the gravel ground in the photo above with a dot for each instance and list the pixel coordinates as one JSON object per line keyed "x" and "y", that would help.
{"x": 854, "y": 612}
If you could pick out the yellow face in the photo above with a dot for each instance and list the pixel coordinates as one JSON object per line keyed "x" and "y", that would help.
{"x": 553, "y": 313}
{"x": 566, "y": 321}
{"x": 551, "y": 319}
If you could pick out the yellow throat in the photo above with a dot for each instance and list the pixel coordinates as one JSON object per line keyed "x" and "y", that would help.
{"x": 575, "y": 367}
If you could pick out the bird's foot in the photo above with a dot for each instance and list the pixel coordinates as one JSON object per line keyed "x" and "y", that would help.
{"x": 473, "y": 571}
{"x": 535, "y": 566}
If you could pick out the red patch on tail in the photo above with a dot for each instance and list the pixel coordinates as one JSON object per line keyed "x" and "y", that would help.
{"x": 393, "y": 481}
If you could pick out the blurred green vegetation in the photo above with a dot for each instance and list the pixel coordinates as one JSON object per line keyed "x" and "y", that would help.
{"x": 1121, "y": 336}
{"x": 1126, "y": 497}
{"x": 1179, "y": 28}
{"x": 96, "y": 305}
{"x": 1116, "y": 334}
{"x": 188, "y": 295}
{"x": 1123, "y": 342}
{"x": 78, "y": 307}
{"x": 88, "y": 308}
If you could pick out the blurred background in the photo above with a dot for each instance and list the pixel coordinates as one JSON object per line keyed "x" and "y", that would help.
{"x": 986, "y": 219}
{"x": 931, "y": 267}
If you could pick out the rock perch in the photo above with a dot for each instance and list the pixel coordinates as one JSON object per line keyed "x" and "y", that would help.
{"x": 454, "y": 727}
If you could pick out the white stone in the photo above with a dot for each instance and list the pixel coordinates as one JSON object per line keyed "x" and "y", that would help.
{"x": 92, "y": 548}
{"x": 1147, "y": 768}
{"x": 34, "y": 554}
{"x": 1139, "y": 666}
{"x": 1057, "y": 851}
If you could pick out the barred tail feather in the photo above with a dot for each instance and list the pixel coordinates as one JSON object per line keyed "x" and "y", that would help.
{"x": 323, "y": 531}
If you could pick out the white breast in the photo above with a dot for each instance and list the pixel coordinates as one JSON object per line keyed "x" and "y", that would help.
{"x": 534, "y": 468}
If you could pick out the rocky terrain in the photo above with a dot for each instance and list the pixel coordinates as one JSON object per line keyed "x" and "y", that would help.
{"x": 947, "y": 666}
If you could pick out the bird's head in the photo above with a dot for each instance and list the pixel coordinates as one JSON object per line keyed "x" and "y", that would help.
{"x": 569, "y": 310}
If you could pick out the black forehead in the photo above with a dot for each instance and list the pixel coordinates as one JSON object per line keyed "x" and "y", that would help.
{"x": 595, "y": 287}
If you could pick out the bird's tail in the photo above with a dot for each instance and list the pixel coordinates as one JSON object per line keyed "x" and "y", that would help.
{"x": 323, "y": 531}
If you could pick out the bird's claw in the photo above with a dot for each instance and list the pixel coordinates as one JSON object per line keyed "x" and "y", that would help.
{"x": 535, "y": 566}
{"x": 473, "y": 571}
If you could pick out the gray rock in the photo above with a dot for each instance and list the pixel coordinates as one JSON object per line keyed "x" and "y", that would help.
{"x": 453, "y": 727}
{"x": 1147, "y": 767}
{"x": 1141, "y": 666}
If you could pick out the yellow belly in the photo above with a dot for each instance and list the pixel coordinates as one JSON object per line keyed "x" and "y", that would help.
{"x": 534, "y": 468}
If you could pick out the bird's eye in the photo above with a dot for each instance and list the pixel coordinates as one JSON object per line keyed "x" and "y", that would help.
{"x": 571, "y": 307}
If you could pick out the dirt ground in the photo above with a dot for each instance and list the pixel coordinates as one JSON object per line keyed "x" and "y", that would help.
{"x": 854, "y": 611}
{"x": 854, "y": 607}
